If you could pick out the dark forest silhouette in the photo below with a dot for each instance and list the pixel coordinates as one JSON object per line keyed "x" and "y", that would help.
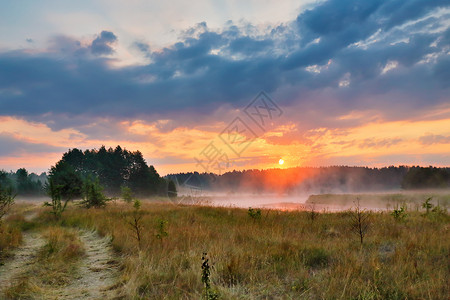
{"x": 114, "y": 168}
{"x": 118, "y": 167}
{"x": 318, "y": 180}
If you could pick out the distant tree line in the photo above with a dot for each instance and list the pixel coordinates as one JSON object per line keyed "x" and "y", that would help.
{"x": 426, "y": 178}
{"x": 117, "y": 168}
{"x": 22, "y": 183}
{"x": 318, "y": 180}
{"x": 113, "y": 168}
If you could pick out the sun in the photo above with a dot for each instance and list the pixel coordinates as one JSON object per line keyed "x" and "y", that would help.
{"x": 281, "y": 161}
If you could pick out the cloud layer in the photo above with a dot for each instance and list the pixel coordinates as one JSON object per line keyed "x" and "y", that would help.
{"x": 338, "y": 65}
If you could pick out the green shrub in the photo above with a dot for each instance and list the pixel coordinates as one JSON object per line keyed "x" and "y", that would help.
{"x": 55, "y": 192}
{"x": 162, "y": 233}
{"x": 93, "y": 194}
{"x": 399, "y": 214}
{"x": 127, "y": 194}
{"x": 427, "y": 205}
{"x": 255, "y": 214}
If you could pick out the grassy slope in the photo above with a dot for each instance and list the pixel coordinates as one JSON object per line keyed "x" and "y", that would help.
{"x": 284, "y": 255}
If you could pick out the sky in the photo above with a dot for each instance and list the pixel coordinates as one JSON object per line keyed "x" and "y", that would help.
{"x": 222, "y": 85}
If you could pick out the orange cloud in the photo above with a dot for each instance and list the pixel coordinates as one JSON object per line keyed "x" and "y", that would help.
{"x": 175, "y": 150}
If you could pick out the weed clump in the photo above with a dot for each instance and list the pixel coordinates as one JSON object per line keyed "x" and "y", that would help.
{"x": 312, "y": 213}
{"x": 255, "y": 214}
{"x": 434, "y": 212}
{"x": 209, "y": 292}
{"x": 399, "y": 214}
{"x": 6, "y": 200}
{"x": 232, "y": 274}
{"x": 315, "y": 257}
{"x": 10, "y": 237}
{"x": 427, "y": 205}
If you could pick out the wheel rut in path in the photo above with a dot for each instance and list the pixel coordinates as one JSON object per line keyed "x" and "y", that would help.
{"x": 97, "y": 273}
{"x": 23, "y": 259}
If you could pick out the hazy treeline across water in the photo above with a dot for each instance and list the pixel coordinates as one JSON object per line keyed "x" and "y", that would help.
{"x": 301, "y": 180}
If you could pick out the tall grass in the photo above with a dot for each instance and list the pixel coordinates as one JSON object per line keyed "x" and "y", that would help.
{"x": 11, "y": 228}
{"x": 283, "y": 255}
{"x": 13, "y": 225}
{"x": 411, "y": 199}
{"x": 10, "y": 237}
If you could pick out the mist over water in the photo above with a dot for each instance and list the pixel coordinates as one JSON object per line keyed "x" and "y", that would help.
{"x": 327, "y": 202}
{"x": 259, "y": 201}
{"x": 322, "y": 189}
{"x": 263, "y": 201}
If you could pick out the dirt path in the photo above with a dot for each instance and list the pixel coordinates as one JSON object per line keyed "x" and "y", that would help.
{"x": 97, "y": 275}
{"x": 22, "y": 260}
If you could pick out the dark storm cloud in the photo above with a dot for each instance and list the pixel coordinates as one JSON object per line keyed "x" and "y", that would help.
{"x": 142, "y": 47}
{"x": 302, "y": 64}
{"x": 249, "y": 46}
{"x": 11, "y": 146}
{"x": 102, "y": 44}
{"x": 339, "y": 23}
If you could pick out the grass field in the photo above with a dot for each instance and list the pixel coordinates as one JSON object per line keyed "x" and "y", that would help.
{"x": 385, "y": 200}
{"x": 277, "y": 255}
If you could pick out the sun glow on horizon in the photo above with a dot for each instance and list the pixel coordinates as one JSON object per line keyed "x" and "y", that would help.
{"x": 378, "y": 143}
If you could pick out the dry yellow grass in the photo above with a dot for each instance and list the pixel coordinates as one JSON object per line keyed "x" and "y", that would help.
{"x": 13, "y": 224}
{"x": 412, "y": 199}
{"x": 54, "y": 265}
{"x": 285, "y": 255}
{"x": 10, "y": 237}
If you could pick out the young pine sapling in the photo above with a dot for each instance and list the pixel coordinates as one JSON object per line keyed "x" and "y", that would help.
{"x": 360, "y": 221}
{"x": 135, "y": 222}
{"x": 55, "y": 193}
{"x": 162, "y": 233}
